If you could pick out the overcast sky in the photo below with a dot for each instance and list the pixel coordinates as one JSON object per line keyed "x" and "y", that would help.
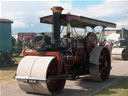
{"x": 26, "y": 13}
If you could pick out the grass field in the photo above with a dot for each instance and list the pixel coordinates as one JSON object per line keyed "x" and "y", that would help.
{"x": 6, "y": 75}
{"x": 118, "y": 89}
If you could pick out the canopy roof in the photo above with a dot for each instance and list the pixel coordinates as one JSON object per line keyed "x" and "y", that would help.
{"x": 5, "y": 20}
{"x": 78, "y": 21}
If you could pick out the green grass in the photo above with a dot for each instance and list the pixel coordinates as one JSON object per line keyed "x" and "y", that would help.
{"x": 118, "y": 89}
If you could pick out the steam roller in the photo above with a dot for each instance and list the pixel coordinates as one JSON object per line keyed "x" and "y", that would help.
{"x": 57, "y": 58}
{"x": 119, "y": 54}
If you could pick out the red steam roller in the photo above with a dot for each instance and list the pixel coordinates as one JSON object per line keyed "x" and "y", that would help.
{"x": 63, "y": 56}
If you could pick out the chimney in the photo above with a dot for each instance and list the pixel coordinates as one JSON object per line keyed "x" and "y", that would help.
{"x": 56, "y": 25}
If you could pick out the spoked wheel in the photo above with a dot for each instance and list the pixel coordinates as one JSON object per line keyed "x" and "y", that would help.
{"x": 55, "y": 85}
{"x": 101, "y": 71}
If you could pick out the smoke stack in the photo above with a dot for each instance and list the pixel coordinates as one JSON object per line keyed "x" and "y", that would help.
{"x": 56, "y": 25}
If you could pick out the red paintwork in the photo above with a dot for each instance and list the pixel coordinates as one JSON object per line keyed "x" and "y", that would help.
{"x": 65, "y": 17}
{"x": 22, "y": 36}
{"x": 56, "y": 54}
{"x": 72, "y": 60}
{"x": 31, "y": 53}
{"x": 58, "y": 57}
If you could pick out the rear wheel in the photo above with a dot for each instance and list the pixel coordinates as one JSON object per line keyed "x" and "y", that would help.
{"x": 101, "y": 71}
{"x": 105, "y": 65}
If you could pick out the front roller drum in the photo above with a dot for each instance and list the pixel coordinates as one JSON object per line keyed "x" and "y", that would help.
{"x": 100, "y": 64}
{"x": 35, "y": 74}
{"x": 119, "y": 54}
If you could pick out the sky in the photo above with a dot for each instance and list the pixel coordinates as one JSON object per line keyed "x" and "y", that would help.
{"x": 26, "y": 13}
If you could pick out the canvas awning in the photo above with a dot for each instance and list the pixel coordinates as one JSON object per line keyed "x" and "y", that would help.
{"x": 78, "y": 21}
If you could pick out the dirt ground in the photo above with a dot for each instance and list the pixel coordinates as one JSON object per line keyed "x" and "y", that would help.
{"x": 81, "y": 87}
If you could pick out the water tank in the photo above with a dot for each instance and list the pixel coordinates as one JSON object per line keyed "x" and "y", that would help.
{"x": 5, "y": 35}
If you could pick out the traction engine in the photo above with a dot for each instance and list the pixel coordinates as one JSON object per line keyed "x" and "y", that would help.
{"x": 46, "y": 69}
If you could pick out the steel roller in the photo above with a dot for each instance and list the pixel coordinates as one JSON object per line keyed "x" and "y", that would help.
{"x": 33, "y": 74}
{"x": 119, "y": 54}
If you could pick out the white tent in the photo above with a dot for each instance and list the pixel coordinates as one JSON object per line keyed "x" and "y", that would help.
{"x": 113, "y": 37}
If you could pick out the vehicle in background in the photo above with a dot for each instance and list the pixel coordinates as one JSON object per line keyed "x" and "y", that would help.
{"x": 120, "y": 50}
